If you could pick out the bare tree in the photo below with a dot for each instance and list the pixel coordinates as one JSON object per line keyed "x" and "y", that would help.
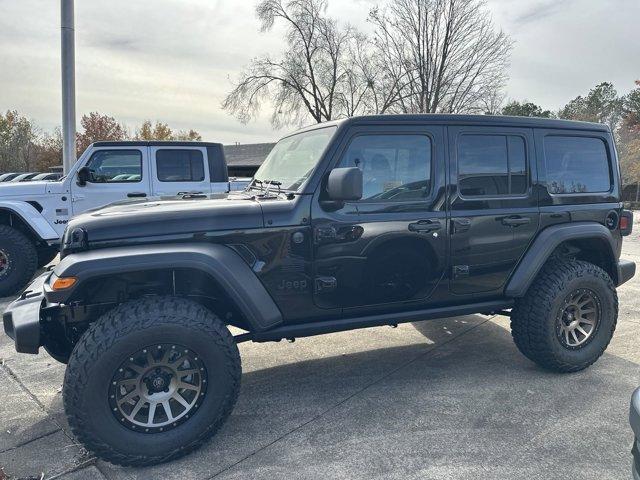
{"x": 315, "y": 76}
{"x": 492, "y": 104}
{"x": 439, "y": 55}
{"x": 358, "y": 81}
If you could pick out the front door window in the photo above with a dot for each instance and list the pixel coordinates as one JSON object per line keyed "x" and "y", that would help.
{"x": 115, "y": 166}
{"x": 395, "y": 168}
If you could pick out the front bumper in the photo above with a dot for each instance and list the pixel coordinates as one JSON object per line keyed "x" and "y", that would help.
{"x": 21, "y": 319}
{"x": 626, "y": 270}
{"x": 634, "y": 420}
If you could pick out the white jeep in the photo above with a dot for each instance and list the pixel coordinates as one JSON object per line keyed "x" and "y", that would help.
{"x": 33, "y": 215}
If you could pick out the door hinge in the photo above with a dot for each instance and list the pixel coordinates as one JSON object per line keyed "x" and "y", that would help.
{"x": 325, "y": 284}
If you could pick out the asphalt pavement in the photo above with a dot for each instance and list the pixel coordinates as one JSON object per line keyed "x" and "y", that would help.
{"x": 440, "y": 399}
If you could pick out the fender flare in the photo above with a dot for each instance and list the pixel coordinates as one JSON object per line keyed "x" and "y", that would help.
{"x": 31, "y": 217}
{"x": 544, "y": 245}
{"x": 223, "y": 264}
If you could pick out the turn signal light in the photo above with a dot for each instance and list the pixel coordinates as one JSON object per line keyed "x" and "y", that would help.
{"x": 63, "y": 283}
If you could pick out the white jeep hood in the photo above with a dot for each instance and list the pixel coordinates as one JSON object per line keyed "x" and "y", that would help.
{"x": 24, "y": 189}
{"x": 9, "y": 189}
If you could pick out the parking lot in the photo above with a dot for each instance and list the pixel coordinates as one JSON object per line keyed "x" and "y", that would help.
{"x": 448, "y": 399}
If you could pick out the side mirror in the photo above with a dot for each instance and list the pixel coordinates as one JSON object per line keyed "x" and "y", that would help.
{"x": 345, "y": 184}
{"x": 84, "y": 175}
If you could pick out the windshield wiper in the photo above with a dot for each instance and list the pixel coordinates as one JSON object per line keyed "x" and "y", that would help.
{"x": 264, "y": 186}
{"x": 253, "y": 184}
{"x": 269, "y": 183}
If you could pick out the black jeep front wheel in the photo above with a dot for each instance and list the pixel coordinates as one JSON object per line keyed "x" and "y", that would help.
{"x": 18, "y": 260}
{"x": 567, "y": 318}
{"x": 151, "y": 381}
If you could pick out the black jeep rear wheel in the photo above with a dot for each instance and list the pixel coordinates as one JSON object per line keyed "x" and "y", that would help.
{"x": 18, "y": 260}
{"x": 151, "y": 381}
{"x": 567, "y": 318}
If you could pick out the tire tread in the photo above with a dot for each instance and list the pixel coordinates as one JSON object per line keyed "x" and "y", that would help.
{"x": 140, "y": 315}
{"x": 26, "y": 252}
{"x": 530, "y": 313}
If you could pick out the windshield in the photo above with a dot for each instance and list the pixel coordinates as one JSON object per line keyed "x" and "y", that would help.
{"x": 293, "y": 158}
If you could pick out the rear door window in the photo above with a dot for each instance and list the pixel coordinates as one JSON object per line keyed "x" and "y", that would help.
{"x": 175, "y": 165}
{"x": 491, "y": 165}
{"x": 576, "y": 165}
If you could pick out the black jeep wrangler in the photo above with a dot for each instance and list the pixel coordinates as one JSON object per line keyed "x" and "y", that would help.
{"x": 358, "y": 223}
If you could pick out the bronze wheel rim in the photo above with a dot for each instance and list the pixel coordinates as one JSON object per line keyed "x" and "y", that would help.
{"x": 158, "y": 388}
{"x": 579, "y": 318}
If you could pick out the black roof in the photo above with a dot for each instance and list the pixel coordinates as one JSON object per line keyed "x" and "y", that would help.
{"x": 154, "y": 143}
{"x": 243, "y": 155}
{"x": 484, "y": 120}
{"x": 247, "y": 154}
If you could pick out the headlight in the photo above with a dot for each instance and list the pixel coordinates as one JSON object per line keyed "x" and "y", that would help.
{"x": 74, "y": 240}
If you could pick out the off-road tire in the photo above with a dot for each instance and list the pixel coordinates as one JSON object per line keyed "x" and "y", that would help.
{"x": 534, "y": 317}
{"x": 21, "y": 258}
{"x": 110, "y": 339}
{"x": 46, "y": 254}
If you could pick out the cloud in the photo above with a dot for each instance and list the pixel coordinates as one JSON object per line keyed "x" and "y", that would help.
{"x": 541, "y": 10}
{"x": 172, "y": 60}
{"x": 109, "y": 42}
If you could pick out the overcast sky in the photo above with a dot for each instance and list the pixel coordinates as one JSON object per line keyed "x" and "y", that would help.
{"x": 172, "y": 59}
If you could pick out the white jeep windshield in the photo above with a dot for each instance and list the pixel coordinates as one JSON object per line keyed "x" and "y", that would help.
{"x": 294, "y": 158}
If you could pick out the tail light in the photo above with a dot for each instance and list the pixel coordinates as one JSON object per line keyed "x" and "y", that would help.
{"x": 626, "y": 222}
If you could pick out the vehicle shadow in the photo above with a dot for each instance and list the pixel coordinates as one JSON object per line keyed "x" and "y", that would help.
{"x": 438, "y": 330}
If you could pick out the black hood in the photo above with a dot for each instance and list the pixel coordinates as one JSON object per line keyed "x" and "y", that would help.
{"x": 168, "y": 217}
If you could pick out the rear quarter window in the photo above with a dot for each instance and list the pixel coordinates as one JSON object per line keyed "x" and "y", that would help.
{"x": 576, "y": 165}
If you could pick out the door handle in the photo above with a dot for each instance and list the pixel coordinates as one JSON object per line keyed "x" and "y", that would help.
{"x": 515, "y": 221}
{"x": 136, "y": 195}
{"x": 425, "y": 226}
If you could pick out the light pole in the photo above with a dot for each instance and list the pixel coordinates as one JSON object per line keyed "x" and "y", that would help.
{"x": 68, "y": 85}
